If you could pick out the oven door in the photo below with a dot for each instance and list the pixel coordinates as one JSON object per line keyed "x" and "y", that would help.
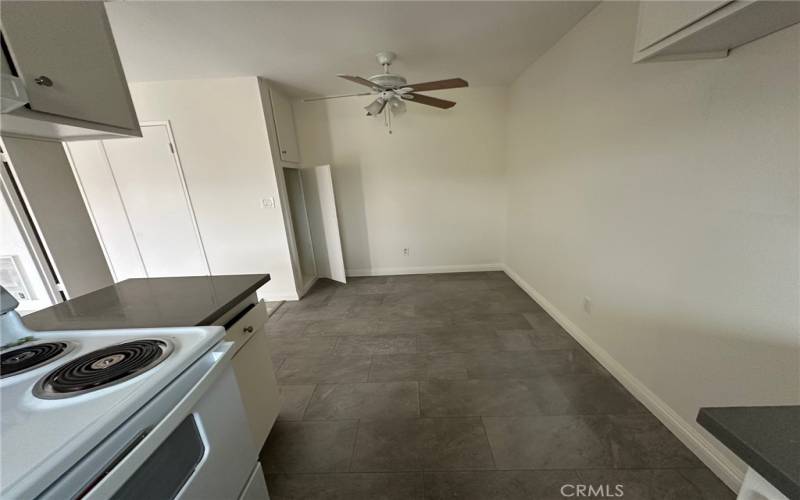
{"x": 201, "y": 449}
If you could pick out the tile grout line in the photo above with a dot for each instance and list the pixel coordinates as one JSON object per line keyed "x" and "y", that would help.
{"x": 280, "y": 365}
{"x": 509, "y": 469}
{"x": 369, "y": 372}
{"x": 488, "y": 442}
{"x": 353, "y": 449}
{"x": 419, "y": 401}
{"x": 308, "y": 404}
{"x": 332, "y": 351}
{"x": 467, "y": 416}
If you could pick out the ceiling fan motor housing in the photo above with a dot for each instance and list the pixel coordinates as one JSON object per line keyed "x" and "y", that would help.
{"x": 388, "y": 80}
{"x": 385, "y": 57}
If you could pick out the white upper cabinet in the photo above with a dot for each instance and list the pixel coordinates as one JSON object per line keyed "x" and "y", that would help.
{"x": 658, "y": 20}
{"x": 672, "y": 30}
{"x": 66, "y": 56}
{"x": 284, "y": 126}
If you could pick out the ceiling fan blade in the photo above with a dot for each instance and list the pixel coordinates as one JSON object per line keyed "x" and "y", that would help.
{"x": 312, "y": 99}
{"x": 452, "y": 83}
{"x": 430, "y": 101}
{"x": 361, "y": 81}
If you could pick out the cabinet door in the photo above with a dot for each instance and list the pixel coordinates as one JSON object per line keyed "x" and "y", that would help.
{"x": 660, "y": 19}
{"x": 241, "y": 331}
{"x": 257, "y": 385}
{"x": 71, "y": 45}
{"x": 256, "y": 488}
{"x": 284, "y": 126}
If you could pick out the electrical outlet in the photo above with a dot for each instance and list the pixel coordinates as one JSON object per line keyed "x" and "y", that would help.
{"x": 268, "y": 202}
{"x": 587, "y": 305}
{"x": 405, "y": 252}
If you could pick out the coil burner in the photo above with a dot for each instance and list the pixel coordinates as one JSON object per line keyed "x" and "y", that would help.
{"x": 103, "y": 368}
{"x": 27, "y": 358}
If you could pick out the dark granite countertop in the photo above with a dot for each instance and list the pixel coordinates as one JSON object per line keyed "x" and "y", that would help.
{"x": 150, "y": 303}
{"x": 767, "y": 438}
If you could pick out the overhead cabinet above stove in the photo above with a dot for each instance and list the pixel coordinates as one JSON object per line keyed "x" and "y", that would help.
{"x": 65, "y": 55}
{"x": 677, "y": 30}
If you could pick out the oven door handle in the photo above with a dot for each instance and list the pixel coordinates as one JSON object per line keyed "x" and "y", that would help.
{"x": 219, "y": 357}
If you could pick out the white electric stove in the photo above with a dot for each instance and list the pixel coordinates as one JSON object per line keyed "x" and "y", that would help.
{"x": 135, "y": 413}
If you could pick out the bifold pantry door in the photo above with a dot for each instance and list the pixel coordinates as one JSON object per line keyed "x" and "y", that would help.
{"x": 324, "y": 222}
{"x": 141, "y": 180}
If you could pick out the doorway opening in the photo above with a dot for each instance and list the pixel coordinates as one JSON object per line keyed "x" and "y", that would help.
{"x": 300, "y": 226}
{"x": 315, "y": 241}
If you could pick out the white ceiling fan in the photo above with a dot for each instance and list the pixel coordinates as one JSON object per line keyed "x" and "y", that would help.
{"x": 393, "y": 90}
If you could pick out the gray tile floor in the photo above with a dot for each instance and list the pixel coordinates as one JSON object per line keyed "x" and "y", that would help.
{"x": 455, "y": 386}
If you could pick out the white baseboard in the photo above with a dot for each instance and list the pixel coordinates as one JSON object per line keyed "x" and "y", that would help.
{"x": 288, "y": 296}
{"x": 307, "y": 287}
{"x": 728, "y": 472}
{"x": 268, "y": 297}
{"x": 390, "y": 271}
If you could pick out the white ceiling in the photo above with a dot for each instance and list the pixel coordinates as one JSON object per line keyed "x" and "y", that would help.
{"x": 303, "y": 45}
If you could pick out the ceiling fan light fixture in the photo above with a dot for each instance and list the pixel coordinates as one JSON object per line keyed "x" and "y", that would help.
{"x": 397, "y": 105}
{"x": 375, "y": 107}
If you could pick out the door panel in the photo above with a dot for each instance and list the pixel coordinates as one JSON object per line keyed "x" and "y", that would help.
{"x": 256, "y": 488}
{"x": 79, "y": 57}
{"x": 257, "y": 385}
{"x": 284, "y": 127}
{"x": 152, "y": 190}
{"x": 104, "y": 202}
{"x": 324, "y": 222}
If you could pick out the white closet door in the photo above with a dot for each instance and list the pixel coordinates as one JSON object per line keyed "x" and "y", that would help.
{"x": 106, "y": 208}
{"x": 152, "y": 189}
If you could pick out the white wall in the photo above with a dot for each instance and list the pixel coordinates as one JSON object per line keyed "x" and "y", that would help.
{"x": 668, "y": 193}
{"x": 47, "y": 184}
{"x": 221, "y": 135}
{"x": 434, "y": 186}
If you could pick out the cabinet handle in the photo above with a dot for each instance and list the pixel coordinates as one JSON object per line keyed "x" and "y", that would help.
{"x": 43, "y": 81}
{"x": 283, "y": 151}
{"x": 248, "y": 329}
